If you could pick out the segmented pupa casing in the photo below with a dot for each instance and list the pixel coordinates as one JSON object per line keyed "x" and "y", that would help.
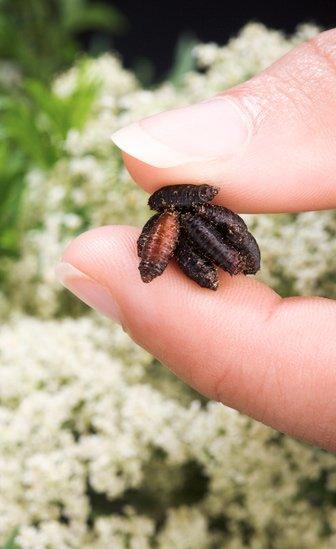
{"x": 157, "y": 245}
{"x": 145, "y": 233}
{"x": 236, "y": 232}
{"x": 211, "y": 243}
{"x": 180, "y": 197}
{"x": 196, "y": 267}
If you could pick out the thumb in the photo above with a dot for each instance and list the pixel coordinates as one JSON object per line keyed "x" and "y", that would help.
{"x": 270, "y": 358}
{"x": 268, "y": 143}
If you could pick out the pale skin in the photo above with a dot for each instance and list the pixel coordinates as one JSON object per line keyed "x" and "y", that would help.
{"x": 271, "y": 358}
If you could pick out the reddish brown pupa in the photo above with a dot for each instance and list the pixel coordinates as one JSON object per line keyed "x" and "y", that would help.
{"x": 145, "y": 233}
{"x": 157, "y": 243}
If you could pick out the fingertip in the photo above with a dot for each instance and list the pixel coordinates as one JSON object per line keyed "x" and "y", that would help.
{"x": 151, "y": 178}
{"x": 109, "y": 256}
{"x": 143, "y": 174}
{"x": 93, "y": 249}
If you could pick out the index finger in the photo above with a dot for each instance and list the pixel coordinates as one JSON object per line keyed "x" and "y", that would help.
{"x": 268, "y": 144}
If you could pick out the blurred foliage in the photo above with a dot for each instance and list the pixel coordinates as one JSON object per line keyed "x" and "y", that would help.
{"x": 11, "y": 543}
{"x": 38, "y": 38}
{"x": 41, "y": 36}
{"x": 35, "y": 122}
{"x": 11, "y": 188}
{"x": 144, "y": 71}
{"x": 184, "y": 60}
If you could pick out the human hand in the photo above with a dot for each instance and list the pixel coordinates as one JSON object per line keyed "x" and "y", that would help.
{"x": 269, "y": 144}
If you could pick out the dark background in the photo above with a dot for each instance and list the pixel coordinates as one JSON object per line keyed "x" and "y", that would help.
{"x": 154, "y": 26}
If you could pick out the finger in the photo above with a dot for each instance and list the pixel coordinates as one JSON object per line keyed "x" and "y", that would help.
{"x": 268, "y": 143}
{"x": 270, "y": 358}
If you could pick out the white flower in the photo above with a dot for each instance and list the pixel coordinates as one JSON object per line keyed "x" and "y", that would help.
{"x": 185, "y": 528}
{"x": 81, "y": 434}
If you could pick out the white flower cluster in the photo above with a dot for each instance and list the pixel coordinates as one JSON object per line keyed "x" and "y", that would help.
{"x": 100, "y": 447}
{"x": 93, "y": 455}
{"x": 254, "y": 49}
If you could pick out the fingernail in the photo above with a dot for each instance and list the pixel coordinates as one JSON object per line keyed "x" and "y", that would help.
{"x": 214, "y": 129}
{"x": 88, "y": 290}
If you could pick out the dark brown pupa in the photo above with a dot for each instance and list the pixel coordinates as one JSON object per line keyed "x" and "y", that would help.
{"x": 235, "y": 231}
{"x": 157, "y": 243}
{"x": 211, "y": 244}
{"x": 179, "y": 197}
{"x": 196, "y": 267}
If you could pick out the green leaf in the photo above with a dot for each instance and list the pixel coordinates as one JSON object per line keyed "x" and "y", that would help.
{"x": 95, "y": 16}
{"x": 37, "y": 121}
{"x": 46, "y": 32}
{"x": 12, "y": 167}
{"x": 35, "y": 124}
{"x": 183, "y": 59}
